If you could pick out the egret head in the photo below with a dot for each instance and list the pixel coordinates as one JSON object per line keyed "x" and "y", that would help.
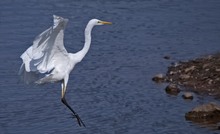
{"x": 99, "y": 22}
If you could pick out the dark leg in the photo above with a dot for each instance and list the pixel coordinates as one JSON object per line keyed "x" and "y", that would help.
{"x": 63, "y": 100}
{"x": 80, "y": 122}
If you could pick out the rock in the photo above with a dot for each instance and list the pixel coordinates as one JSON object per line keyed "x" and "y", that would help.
{"x": 184, "y": 76}
{"x": 189, "y": 69}
{"x": 172, "y": 89}
{"x": 159, "y": 78}
{"x": 187, "y": 95}
{"x": 209, "y": 57}
{"x": 198, "y": 75}
{"x": 205, "y": 111}
{"x": 205, "y": 65}
{"x": 207, "y": 69}
{"x": 210, "y": 81}
{"x": 166, "y": 57}
{"x": 172, "y": 72}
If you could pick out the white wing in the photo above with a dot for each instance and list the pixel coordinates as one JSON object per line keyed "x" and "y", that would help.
{"x": 47, "y": 48}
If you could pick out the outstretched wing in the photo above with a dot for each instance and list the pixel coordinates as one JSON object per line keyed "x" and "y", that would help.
{"x": 47, "y": 50}
{"x": 41, "y": 56}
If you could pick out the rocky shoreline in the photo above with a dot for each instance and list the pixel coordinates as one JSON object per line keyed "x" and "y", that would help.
{"x": 201, "y": 76}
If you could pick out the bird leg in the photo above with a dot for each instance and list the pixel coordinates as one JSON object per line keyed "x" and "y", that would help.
{"x": 63, "y": 100}
{"x": 80, "y": 122}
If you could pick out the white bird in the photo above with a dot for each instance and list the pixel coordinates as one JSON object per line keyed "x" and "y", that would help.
{"x": 49, "y": 57}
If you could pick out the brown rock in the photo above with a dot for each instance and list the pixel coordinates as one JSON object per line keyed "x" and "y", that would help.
{"x": 205, "y": 111}
{"x": 210, "y": 82}
{"x": 159, "y": 78}
{"x": 207, "y": 69}
{"x": 199, "y": 75}
{"x": 184, "y": 76}
{"x": 172, "y": 89}
{"x": 187, "y": 95}
{"x": 205, "y": 65}
{"x": 189, "y": 69}
{"x": 172, "y": 72}
{"x": 207, "y": 107}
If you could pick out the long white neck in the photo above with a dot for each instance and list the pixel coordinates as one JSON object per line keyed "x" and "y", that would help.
{"x": 81, "y": 54}
{"x": 87, "y": 43}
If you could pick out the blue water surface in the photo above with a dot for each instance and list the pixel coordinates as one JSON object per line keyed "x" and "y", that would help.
{"x": 111, "y": 89}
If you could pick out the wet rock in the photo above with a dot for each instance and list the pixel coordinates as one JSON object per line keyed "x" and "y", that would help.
{"x": 187, "y": 95}
{"x": 172, "y": 89}
{"x": 199, "y": 75}
{"x": 159, "y": 78}
{"x": 209, "y": 57}
{"x": 205, "y": 111}
{"x": 166, "y": 57}
{"x": 172, "y": 72}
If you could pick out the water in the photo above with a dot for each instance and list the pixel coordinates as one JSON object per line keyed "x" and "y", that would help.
{"x": 111, "y": 89}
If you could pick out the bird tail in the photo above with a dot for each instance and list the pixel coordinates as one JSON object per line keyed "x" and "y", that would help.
{"x": 46, "y": 79}
{"x": 27, "y": 77}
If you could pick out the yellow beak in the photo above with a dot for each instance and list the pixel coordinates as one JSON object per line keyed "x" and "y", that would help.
{"x": 106, "y": 22}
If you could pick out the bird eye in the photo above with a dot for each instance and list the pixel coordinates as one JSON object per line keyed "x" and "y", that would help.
{"x": 99, "y": 22}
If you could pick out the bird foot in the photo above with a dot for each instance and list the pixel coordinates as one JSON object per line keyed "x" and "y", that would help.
{"x": 80, "y": 122}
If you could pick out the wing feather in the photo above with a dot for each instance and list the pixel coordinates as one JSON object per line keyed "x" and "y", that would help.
{"x": 47, "y": 47}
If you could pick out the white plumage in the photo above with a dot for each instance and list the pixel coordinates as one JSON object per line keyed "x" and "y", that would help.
{"x": 47, "y": 50}
{"x": 48, "y": 57}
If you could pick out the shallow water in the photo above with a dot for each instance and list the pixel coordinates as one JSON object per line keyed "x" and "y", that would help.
{"x": 111, "y": 89}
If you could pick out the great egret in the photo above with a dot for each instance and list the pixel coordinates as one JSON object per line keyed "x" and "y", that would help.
{"x": 49, "y": 57}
